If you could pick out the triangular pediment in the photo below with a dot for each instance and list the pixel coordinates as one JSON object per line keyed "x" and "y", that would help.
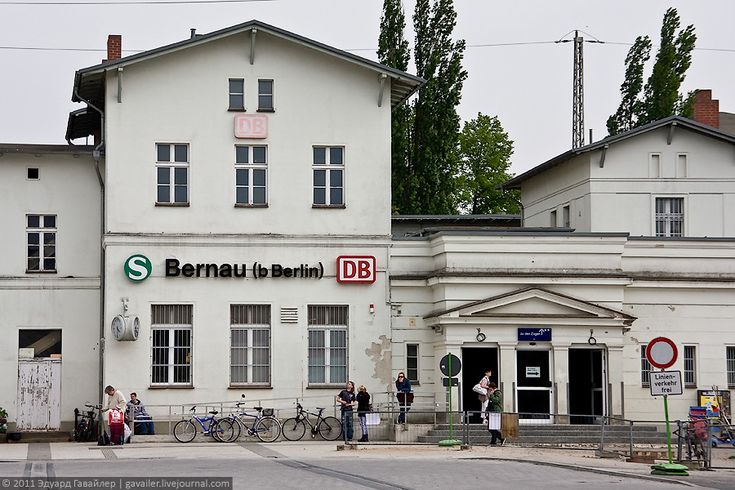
{"x": 533, "y": 303}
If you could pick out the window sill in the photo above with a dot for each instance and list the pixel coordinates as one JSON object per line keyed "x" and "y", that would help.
{"x": 250, "y": 387}
{"x": 172, "y": 204}
{"x": 328, "y": 386}
{"x": 42, "y": 272}
{"x": 328, "y": 206}
{"x": 238, "y": 205}
{"x": 690, "y": 387}
{"x": 265, "y": 110}
{"x": 232, "y": 109}
{"x": 171, "y": 387}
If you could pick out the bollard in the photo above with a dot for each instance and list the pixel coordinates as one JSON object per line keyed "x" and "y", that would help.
{"x": 630, "y": 438}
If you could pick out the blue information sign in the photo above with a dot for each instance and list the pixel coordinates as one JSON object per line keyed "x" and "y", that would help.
{"x": 534, "y": 334}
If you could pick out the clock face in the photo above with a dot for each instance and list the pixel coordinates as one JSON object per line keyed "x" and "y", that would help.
{"x": 136, "y": 327}
{"x": 118, "y": 327}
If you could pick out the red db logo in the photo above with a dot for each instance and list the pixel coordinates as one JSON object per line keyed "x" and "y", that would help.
{"x": 356, "y": 269}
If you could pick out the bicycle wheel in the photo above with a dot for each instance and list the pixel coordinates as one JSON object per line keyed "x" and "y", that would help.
{"x": 330, "y": 428}
{"x": 185, "y": 431}
{"x": 293, "y": 430}
{"x": 267, "y": 429}
{"x": 222, "y": 430}
{"x": 236, "y": 428}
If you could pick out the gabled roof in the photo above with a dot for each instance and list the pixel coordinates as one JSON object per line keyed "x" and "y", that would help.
{"x": 515, "y": 183}
{"x": 88, "y": 82}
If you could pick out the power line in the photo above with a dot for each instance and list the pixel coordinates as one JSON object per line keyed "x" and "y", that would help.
{"x": 131, "y": 2}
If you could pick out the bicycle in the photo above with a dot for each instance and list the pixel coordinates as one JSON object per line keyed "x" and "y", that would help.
{"x": 329, "y": 428}
{"x": 220, "y": 429}
{"x": 86, "y": 427}
{"x": 265, "y": 426}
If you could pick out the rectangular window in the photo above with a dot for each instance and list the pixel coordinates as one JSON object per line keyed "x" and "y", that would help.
{"x": 329, "y": 167}
{"x": 265, "y": 95}
{"x": 654, "y": 165}
{"x": 730, "y": 361}
{"x": 565, "y": 216}
{"x": 172, "y": 173}
{"x": 412, "y": 362}
{"x": 690, "y": 366}
{"x": 250, "y": 344}
{"x": 681, "y": 165}
{"x": 237, "y": 94}
{"x": 33, "y": 173}
{"x": 645, "y": 368}
{"x": 171, "y": 331}
{"x": 669, "y": 216}
{"x": 327, "y": 326}
{"x": 41, "y": 246}
{"x": 552, "y": 219}
{"x": 251, "y": 166}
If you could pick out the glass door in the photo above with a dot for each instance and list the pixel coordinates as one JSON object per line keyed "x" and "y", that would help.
{"x": 533, "y": 386}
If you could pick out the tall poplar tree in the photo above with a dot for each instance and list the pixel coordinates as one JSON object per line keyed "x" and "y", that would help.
{"x": 393, "y": 51}
{"x": 436, "y": 122}
{"x": 661, "y": 97}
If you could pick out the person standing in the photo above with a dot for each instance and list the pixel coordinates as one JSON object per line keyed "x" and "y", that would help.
{"x": 346, "y": 398}
{"x": 484, "y": 399}
{"x": 403, "y": 389}
{"x": 115, "y": 401}
{"x": 495, "y": 404}
{"x": 363, "y": 407}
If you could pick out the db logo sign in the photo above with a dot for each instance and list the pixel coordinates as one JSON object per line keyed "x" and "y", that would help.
{"x": 356, "y": 269}
{"x": 251, "y": 126}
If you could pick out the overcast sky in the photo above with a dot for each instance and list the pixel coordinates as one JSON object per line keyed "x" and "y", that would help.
{"x": 527, "y": 86}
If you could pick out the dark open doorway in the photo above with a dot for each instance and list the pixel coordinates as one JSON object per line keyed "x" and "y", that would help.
{"x": 586, "y": 384}
{"x": 475, "y": 361}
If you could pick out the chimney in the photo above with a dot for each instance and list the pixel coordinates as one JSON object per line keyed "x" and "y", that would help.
{"x": 706, "y": 110}
{"x": 114, "y": 47}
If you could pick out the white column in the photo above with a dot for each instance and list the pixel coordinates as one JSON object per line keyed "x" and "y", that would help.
{"x": 561, "y": 381}
{"x": 507, "y": 374}
{"x": 615, "y": 378}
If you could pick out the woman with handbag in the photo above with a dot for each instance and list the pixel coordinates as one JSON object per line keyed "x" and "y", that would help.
{"x": 363, "y": 407}
{"x": 485, "y": 399}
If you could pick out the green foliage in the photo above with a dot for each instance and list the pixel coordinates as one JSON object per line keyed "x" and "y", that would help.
{"x": 393, "y": 51}
{"x": 485, "y": 150}
{"x": 661, "y": 97}
{"x": 435, "y": 133}
{"x": 626, "y": 117}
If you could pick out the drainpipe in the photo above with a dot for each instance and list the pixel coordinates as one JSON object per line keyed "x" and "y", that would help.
{"x": 96, "y": 154}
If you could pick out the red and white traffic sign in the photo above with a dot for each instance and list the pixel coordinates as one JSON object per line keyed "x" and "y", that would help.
{"x": 661, "y": 352}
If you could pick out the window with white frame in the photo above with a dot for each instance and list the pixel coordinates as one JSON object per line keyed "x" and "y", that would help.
{"x": 265, "y": 95}
{"x": 412, "y": 362}
{"x": 251, "y": 168}
{"x": 645, "y": 368}
{"x": 327, "y": 326}
{"x": 171, "y": 342}
{"x": 690, "y": 366}
{"x": 172, "y": 173}
{"x": 730, "y": 361}
{"x": 669, "y": 216}
{"x": 250, "y": 344}
{"x": 41, "y": 238}
{"x": 329, "y": 169}
{"x": 237, "y": 94}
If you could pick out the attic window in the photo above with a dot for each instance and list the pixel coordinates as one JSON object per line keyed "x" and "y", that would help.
{"x": 237, "y": 94}
{"x": 32, "y": 173}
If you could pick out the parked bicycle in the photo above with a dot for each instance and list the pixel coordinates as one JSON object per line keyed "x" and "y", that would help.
{"x": 264, "y": 425}
{"x": 328, "y": 428}
{"x": 86, "y": 424}
{"x": 220, "y": 429}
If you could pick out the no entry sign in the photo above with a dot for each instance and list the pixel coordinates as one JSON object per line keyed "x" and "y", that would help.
{"x": 661, "y": 352}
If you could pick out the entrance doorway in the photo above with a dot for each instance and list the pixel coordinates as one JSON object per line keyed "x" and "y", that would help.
{"x": 533, "y": 392}
{"x": 586, "y": 385}
{"x": 475, "y": 361}
{"x": 39, "y": 380}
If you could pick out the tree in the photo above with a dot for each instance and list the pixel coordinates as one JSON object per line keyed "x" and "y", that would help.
{"x": 485, "y": 151}
{"x": 435, "y": 132}
{"x": 661, "y": 97}
{"x": 674, "y": 57}
{"x": 626, "y": 117}
{"x": 393, "y": 51}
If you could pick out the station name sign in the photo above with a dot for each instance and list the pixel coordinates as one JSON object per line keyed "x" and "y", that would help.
{"x": 256, "y": 270}
{"x": 534, "y": 334}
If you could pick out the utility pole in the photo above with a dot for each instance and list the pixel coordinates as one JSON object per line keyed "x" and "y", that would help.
{"x": 578, "y": 89}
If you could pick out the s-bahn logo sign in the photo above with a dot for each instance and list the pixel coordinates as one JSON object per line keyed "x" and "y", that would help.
{"x": 138, "y": 268}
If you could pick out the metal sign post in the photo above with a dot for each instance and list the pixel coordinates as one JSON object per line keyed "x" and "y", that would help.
{"x": 450, "y": 366}
{"x": 662, "y": 353}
